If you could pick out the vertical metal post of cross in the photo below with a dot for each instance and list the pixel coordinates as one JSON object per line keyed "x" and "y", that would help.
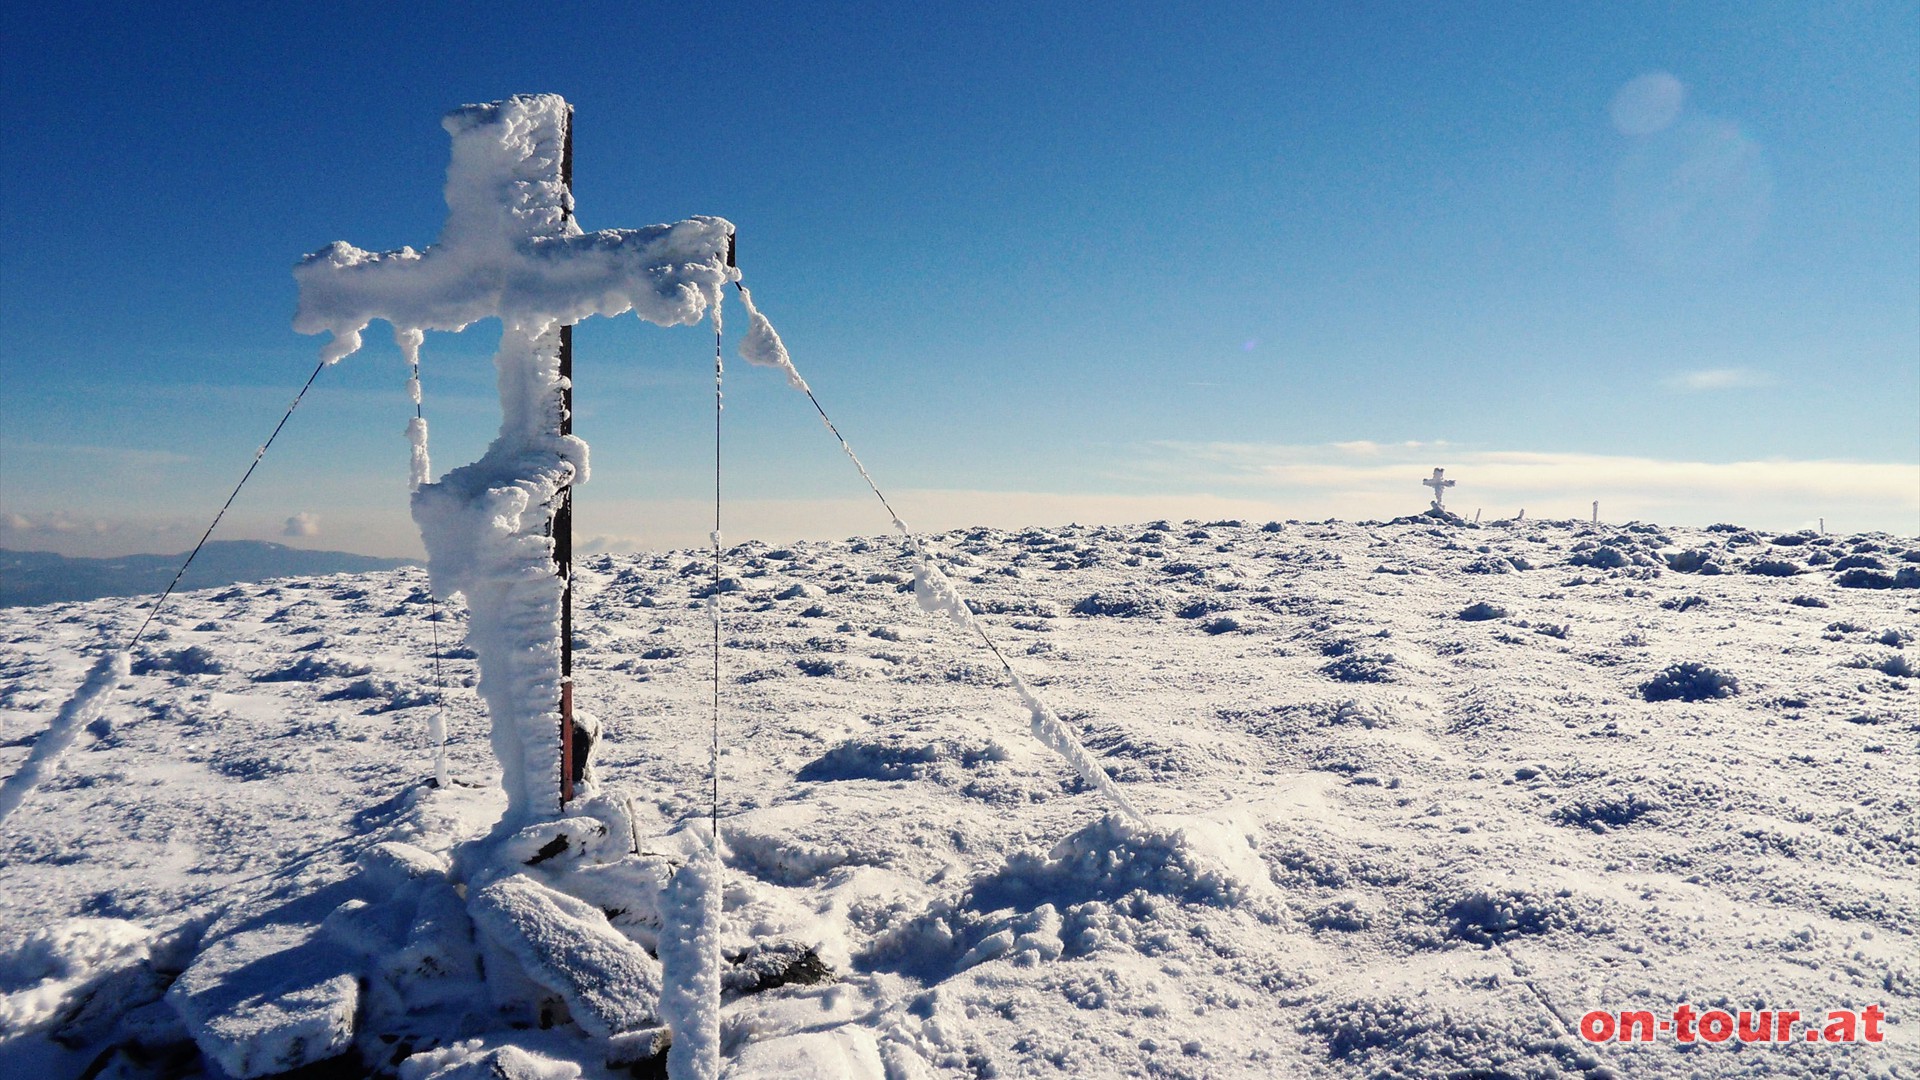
{"x": 562, "y": 528}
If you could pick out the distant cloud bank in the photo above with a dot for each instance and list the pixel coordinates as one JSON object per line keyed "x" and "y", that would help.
{"x": 1768, "y": 494}
{"x": 55, "y": 524}
{"x": 1175, "y": 480}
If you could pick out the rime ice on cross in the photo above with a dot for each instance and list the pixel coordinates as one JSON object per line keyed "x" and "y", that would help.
{"x": 510, "y": 249}
{"x": 1439, "y": 486}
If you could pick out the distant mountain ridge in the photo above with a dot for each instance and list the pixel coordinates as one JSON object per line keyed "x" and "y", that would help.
{"x": 43, "y": 577}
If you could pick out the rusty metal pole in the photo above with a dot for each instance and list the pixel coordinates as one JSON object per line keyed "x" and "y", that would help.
{"x": 563, "y": 523}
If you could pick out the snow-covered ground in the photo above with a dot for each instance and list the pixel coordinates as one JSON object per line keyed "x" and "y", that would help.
{"x": 1410, "y": 810}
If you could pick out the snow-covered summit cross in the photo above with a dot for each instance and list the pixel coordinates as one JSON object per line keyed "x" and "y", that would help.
{"x": 1439, "y": 485}
{"x": 510, "y": 248}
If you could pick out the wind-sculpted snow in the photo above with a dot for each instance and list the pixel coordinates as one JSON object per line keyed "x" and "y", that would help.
{"x": 1379, "y": 839}
{"x": 472, "y": 1059}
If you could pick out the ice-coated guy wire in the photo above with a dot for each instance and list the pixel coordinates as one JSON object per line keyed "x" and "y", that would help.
{"x": 713, "y": 602}
{"x": 257, "y": 455}
{"x": 1080, "y": 761}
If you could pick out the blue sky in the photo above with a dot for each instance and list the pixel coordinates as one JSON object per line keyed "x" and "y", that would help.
{"x": 1042, "y": 262}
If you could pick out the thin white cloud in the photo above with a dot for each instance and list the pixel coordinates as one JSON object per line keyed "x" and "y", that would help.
{"x": 1647, "y": 104}
{"x": 608, "y": 544}
{"x": 99, "y": 456}
{"x": 1369, "y": 448}
{"x": 386, "y": 530}
{"x": 1353, "y": 481}
{"x": 58, "y": 523}
{"x": 1718, "y": 379}
{"x": 302, "y": 524}
{"x": 1176, "y": 481}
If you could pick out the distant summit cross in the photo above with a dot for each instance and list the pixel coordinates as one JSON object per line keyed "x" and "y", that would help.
{"x": 1439, "y": 484}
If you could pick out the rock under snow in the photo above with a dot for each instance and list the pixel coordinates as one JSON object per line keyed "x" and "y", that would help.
{"x": 609, "y": 983}
{"x": 48, "y": 973}
{"x": 848, "y": 1054}
{"x": 270, "y": 990}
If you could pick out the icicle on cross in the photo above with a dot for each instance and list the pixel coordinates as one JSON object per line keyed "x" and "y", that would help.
{"x": 510, "y": 249}
{"x": 1439, "y": 486}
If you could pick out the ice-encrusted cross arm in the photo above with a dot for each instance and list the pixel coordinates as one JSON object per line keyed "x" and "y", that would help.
{"x": 510, "y": 247}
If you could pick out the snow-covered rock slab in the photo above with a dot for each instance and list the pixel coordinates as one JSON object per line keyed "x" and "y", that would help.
{"x": 47, "y": 974}
{"x": 392, "y": 867}
{"x": 438, "y": 964}
{"x": 269, "y": 991}
{"x": 609, "y": 983}
{"x": 1225, "y": 846}
{"x": 846, "y": 1054}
